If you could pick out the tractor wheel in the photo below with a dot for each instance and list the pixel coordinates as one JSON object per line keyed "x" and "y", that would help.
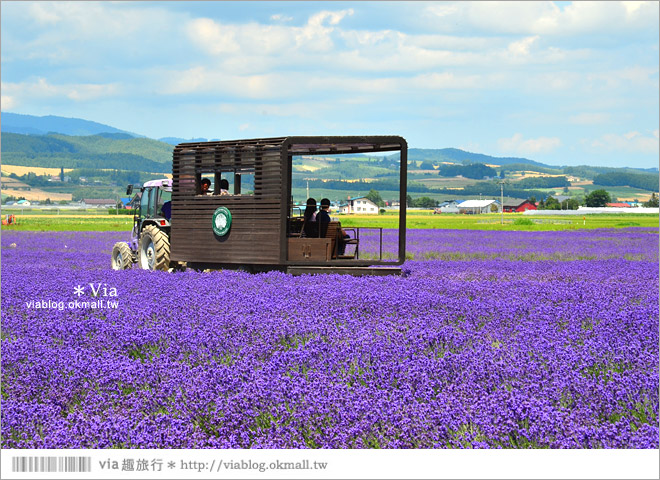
{"x": 122, "y": 256}
{"x": 154, "y": 249}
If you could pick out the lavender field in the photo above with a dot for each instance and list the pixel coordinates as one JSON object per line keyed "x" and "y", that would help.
{"x": 489, "y": 340}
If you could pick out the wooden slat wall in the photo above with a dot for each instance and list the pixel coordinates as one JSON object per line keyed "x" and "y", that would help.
{"x": 254, "y": 237}
{"x": 258, "y": 234}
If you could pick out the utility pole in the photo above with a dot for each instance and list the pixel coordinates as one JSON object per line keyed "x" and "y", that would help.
{"x": 502, "y": 182}
{"x": 501, "y": 203}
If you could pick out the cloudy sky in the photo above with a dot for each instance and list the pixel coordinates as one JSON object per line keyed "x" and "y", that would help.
{"x": 564, "y": 83}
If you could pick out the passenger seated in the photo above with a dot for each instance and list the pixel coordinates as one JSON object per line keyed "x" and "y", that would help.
{"x": 323, "y": 219}
{"x": 205, "y": 184}
{"x": 224, "y": 187}
{"x": 166, "y": 210}
{"x": 310, "y": 227}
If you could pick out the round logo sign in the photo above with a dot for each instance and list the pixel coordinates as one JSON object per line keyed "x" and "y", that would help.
{"x": 221, "y": 221}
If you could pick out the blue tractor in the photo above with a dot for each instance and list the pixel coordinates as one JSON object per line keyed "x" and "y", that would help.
{"x": 150, "y": 238}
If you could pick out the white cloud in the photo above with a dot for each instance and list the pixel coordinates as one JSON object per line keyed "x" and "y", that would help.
{"x": 472, "y": 64}
{"x": 216, "y": 38}
{"x": 441, "y": 81}
{"x": 213, "y": 37}
{"x": 517, "y": 144}
{"x": 631, "y": 135}
{"x": 42, "y": 89}
{"x": 546, "y": 18}
{"x": 304, "y": 85}
{"x": 201, "y": 80}
{"x": 281, "y": 18}
{"x": 94, "y": 20}
{"x": 589, "y": 118}
{"x": 7, "y": 103}
{"x": 522, "y": 47}
{"x": 304, "y": 110}
{"x": 44, "y": 13}
{"x": 630, "y": 142}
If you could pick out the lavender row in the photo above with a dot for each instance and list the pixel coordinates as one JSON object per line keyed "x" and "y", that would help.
{"x": 631, "y": 243}
{"x": 483, "y": 353}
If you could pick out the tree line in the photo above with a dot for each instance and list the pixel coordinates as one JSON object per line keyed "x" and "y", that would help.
{"x": 543, "y": 182}
{"x": 118, "y": 177}
{"x": 118, "y": 161}
{"x": 613, "y": 179}
{"x": 473, "y": 170}
{"x": 486, "y": 188}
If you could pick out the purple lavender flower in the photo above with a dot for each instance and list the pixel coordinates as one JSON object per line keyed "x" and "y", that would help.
{"x": 490, "y": 340}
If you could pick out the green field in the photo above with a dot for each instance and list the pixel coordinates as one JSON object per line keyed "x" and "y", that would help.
{"x": 70, "y": 223}
{"x": 415, "y": 219}
{"x": 512, "y": 221}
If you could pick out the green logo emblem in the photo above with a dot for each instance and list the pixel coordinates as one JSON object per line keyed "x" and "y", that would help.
{"x": 221, "y": 221}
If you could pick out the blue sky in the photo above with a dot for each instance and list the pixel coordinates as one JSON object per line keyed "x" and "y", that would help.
{"x": 566, "y": 83}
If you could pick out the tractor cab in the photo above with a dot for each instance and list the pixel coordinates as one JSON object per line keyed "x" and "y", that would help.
{"x": 153, "y": 206}
{"x": 149, "y": 244}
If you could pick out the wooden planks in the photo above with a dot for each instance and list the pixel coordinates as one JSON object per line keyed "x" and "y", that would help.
{"x": 258, "y": 234}
{"x": 309, "y": 249}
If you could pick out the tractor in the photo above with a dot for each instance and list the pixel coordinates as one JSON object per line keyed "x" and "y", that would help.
{"x": 150, "y": 237}
{"x": 230, "y": 205}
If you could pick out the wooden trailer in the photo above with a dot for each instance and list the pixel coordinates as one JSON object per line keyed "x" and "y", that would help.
{"x": 248, "y": 220}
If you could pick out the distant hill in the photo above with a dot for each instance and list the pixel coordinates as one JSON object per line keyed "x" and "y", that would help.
{"x": 83, "y": 143}
{"x": 106, "y": 151}
{"x": 33, "y": 125}
{"x": 455, "y": 155}
{"x": 177, "y": 140}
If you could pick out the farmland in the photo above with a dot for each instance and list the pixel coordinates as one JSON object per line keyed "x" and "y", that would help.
{"x": 530, "y": 339}
{"x": 100, "y": 165}
{"x": 93, "y": 220}
{"x": 19, "y": 170}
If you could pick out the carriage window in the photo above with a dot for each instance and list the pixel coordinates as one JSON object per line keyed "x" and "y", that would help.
{"x": 236, "y": 181}
{"x": 244, "y": 182}
{"x": 206, "y": 178}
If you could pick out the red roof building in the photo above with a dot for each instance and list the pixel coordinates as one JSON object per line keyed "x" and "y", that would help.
{"x": 618, "y": 205}
{"x": 516, "y": 205}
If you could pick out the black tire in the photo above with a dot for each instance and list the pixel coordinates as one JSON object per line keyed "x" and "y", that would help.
{"x": 154, "y": 249}
{"x": 122, "y": 256}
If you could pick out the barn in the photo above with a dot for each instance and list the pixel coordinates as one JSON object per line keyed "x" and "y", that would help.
{"x": 479, "y": 206}
{"x": 518, "y": 205}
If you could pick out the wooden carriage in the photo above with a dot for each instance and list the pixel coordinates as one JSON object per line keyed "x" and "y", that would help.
{"x": 252, "y": 223}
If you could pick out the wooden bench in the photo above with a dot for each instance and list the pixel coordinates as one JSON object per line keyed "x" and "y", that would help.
{"x": 332, "y": 233}
{"x": 295, "y": 226}
{"x": 320, "y": 249}
{"x": 310, "y": 249}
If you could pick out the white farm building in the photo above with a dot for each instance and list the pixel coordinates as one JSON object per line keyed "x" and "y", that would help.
{"x": 479, "y": 206}
{"x": 361, "y": 205}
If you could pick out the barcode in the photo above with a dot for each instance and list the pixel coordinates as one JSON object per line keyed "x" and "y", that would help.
{"x": 51, "y": 464}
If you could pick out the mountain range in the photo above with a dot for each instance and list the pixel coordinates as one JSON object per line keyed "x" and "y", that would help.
{"x": 52, "y": 125}
{"x": 33, "y": 125}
